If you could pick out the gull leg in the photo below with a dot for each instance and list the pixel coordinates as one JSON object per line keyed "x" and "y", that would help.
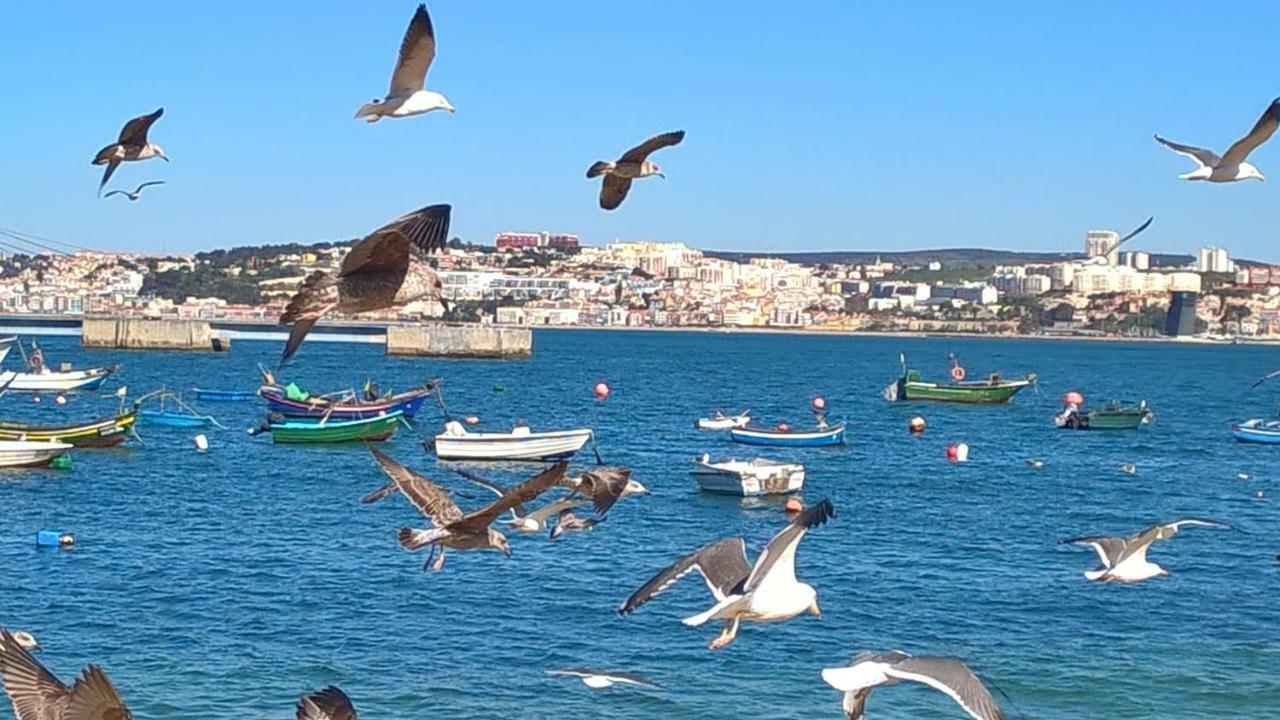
{"x": 439, "y": 561}
{"x": 728, "y": 634}
{"x": 430, "y": 554}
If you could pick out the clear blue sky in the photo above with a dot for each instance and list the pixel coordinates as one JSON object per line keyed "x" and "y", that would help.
{"x": 811, "y": 125}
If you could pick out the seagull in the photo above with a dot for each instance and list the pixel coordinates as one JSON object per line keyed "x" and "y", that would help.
{"x": 408, "y": 95}
{"x": 634, "y": 163}
{"x": 1125, "y": 559}
{"x": 132, "y": 145}
{"x": 1269, "y": 376}
{"x": 868, "y": 671}
{"x": 327, "y": 704}
{"x": 598, "y": 679}
{"x": 1036, "y": 463}
{"x": 137, "y": 193}
{"x": 451, "y": 528}
{"x": 25, "y": 640}
{"x": 1231, "y": 167}
{"x": 379, "y": 272}
{"x": 567, "y": 522}
{"x": 533, "y": 522}
{"x": 766, "y": 592}
{"x": 37, "y": 695}
{"x": 605, "y": 485}
{"x": 1243, "y": 476}
{"x": 1129, "y": 468}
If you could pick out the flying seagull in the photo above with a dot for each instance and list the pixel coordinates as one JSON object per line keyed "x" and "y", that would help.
{"x": 450, "y": 527}
{"x": 408, "y": 95}
{"x": 633, "y": 164}
{"x": 1125, "y": 559}
{"x": 598, "y": 679}
{"x": 1128, "y": 468}
{"x": 766, "y": 592}
{"x": 605, "y": 485}
{"x": 1036, "y": 463}
{"x": 532, "y": 522}
{"x": 137, "y": 193}
{"x": 327, "y": 704}
{"x": 1231, "y": 166}
{"x": 567, "y": 522}
{"x": 868, "y": 671}
{"x": 380, "y": 271}
{"x": 131, "y": 146}
{"x": 25, "y": 640}
{"x": 37, "y": 695}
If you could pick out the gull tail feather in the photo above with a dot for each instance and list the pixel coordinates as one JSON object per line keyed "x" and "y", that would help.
{"x": 111, "y": 169}
{"x": 412, "y": 539}
{"x": 701, "y": 618}
{"x": 599, "y": 168}
{"x": 845, "y": 679}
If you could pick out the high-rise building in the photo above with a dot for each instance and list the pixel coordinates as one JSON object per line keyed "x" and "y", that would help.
{"x": 1182, "y": 314}
{"x": 1137, "y": 260}
{"x": 1214, "y": 259}
{"x": 1102, "y": 243}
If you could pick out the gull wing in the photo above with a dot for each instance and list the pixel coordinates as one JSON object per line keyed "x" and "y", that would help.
{"x": 417, "y": 50}
{"x": 1264, "y": 378}
{"x": 493, "y": 487}
{"x": 430, "y": 499}
{"x": 1110, "y": 549}
{"x": 632, "y": 679}
{"x": 778, "y": 559}
{"x": 605, "y": 485}
{"x": 148, "y": 183}
{"x": 1137, "y": 231}
{"x": 1261, "y": 132}
{"x": 34, "y": 691}
{"x": 121, "y": 192}
{"x": 1203, "y": 158}
{"x": 953, "y": 678}
{"x": 93, "y": 697}
{"x": 554, "y": 508}
{"x": 134, "y": 132}
{"x": 522, "y": 493}
{"x": 383, "y": 251}
{"x": 613, "y": 190}
{"x": 641, "y": 152}
{"x": 1139, "y": 543}
{"x": 327, "y": 704}
{"x": 864, "y": 673}
{"x": 723, "y": 566}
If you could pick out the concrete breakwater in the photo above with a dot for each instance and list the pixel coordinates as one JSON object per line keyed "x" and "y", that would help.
{"x": 146, "y": 334}
{"x": 463, "y": 341}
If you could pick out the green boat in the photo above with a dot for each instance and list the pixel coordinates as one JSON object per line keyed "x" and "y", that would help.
{"x": 1114, "y": 416}
{"x": 992, "y": 390}
{"x": 300, "y": 430}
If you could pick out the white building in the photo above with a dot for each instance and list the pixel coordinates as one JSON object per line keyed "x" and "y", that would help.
{"x": 1137, "y": 260}
{"x": 1215, "y": 260}
{"x": 1102, "y": 243}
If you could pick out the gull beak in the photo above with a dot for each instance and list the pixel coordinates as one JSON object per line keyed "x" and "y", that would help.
{"x": 814, "y": 610}
{"x": 450, "y": 109}
{"x": 506, "y": 551}
{"x": 662, "y": 175}
{"x": 164, "y": 157}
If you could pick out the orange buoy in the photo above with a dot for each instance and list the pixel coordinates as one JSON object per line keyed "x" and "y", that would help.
{"x": 916, "y": 425}
{"x": 473, "y": 420}
{"x": 602, "y": 390}
{"x": 794, "y": 505}
{"x": 783, "y": 427}
{"x": 957, "y": 373}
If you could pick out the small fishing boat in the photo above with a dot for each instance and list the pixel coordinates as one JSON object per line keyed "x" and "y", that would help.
{"x": 455, "y": 443}
{"x": 49, "y": 381}
{"x": 29, "y": 453}
{"x": 6, "y": 344}
{"x": 165, "y": 417}
{"x": 992, "y": 390}
{"x": 224, "y": 395}
{"x": 103, "y": 432}
{"x": 1113, "y": 416}
{"x": 788, "y": 437}
{"x": 306, "y": 430}
{"x": 1257, "y": 430}
{"x": 720, "y": 421}
{"x": 747, "y": 478}
{"x": 292, "y": 401}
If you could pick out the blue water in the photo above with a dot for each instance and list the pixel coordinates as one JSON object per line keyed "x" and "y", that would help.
{"x": 226, "y": 584}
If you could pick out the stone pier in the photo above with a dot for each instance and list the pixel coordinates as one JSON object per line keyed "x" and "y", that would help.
{"x": 144, "y": 334}
{"x": 460, "y": 341}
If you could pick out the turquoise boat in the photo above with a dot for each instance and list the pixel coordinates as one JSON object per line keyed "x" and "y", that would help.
{"x": 1257, "y": 430}
{"x": 300, "y": 430}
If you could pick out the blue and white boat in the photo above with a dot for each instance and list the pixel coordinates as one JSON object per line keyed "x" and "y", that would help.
{"x": 773, "y": 437}
{"x": 1257, "y": 430}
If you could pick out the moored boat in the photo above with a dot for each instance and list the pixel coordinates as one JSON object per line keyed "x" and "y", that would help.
{"x": 29, "y": 453}
{"x": 720, "y": 421}
{"x": 1257, "y": 430}
{"x": 224, "y": 395}
{"x": 994, "y": 389}
{"x": 166, "y": 418}
{"x": 747, "y": 478}
{"x": 291, "y": 401}
{"x": 1113, "y": 416}
{"x": 89, "y": 379}
{"x": 304, "y": 430}
{"x": 103, "y": 432}
{"x": 788, "y": 437}
{"x": 455, "y": 443}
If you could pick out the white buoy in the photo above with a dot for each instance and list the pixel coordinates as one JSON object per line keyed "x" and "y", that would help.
{"x": 60, "y": 400}
{"x": 962, "y": 452}
{"x": 202, "y": 442}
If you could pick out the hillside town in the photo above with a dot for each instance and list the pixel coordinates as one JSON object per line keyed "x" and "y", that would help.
{"x": 549, "y": 279}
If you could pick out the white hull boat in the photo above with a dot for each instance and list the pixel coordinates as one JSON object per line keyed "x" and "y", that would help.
{"x": 748, "y": 478}
{"x": 720, "y": 421}
{"x": 6, "y": 344}
{"x": 55, "y": 381}
{"x": 29, "y": 453}
{"x": 455, "y": 443}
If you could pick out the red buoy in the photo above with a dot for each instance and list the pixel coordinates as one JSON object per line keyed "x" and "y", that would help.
{"x": 783, "y": 427}
{"x": 602, "y": 390}
{"x": 952, "y": 452}
{"x": 819, "y": 403}
{"x": 1073, "y": 398}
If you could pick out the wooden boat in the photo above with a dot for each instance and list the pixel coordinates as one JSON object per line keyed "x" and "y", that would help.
{"x": 1257, "y": 430}
{"x": 293, "y": 402}
{"x": 89, "y": 379}
{"x": 720, "y": 421}
{"x": 993, "y": 390}
{"x": 1114, "y": 416}
{"x": 747, "y": 478}
{"x": 95, "y": 433}
{"x": 166, "y": 418}
{"x": 304, "y": 430}
{"x": 29, "y": 453}
{"x": 455, "y": 443}
{"x": 224, "y": 395}
{"x": 788, "y": 437}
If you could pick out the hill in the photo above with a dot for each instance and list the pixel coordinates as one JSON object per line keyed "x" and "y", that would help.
{"x": 949, "y": 257}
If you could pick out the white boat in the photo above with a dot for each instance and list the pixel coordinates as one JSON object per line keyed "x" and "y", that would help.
{"x": 29, "y": 453}
{"x": 6, "y": 344}
{"x": 720, "y": 421}
{"x": 455, "y": 443}
{"x": 55, "y": 381}
{"x": 748, "y": 478}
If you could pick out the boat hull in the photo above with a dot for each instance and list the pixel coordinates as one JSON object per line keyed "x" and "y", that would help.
{"x": 556, "y": 445}
{"x": 778, "y": 479}
{"x": 977, "y": 394}
{"x": 19, "y": 453}
{"x": 1109, "y": 420}
{"x": 89, "y": 379}
{"x": 407, "y": 403}
{"x": 833, "y": 435}
{"x": 1263, "y": 432}
{"x": 336, "y": 431}
{"x": 174, "y": 420}
{"x": 721, "y": 423}
{"x": 98, "y": 433}
{"x": 224, "y": 395}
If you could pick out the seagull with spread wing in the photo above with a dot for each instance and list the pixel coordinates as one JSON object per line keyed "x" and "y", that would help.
{"x": 524, "y": 522}
{"x": 634, "y": 163}
{"x": 605, "y": 485}
{"x": 567, "y": 522}
{"x": 408, "y": 94}
{"x": 327, "y": 704}
{"x": 137, "y": 193}
{"x": 451, "y": 529}
{"x": 766, "y": 592}
{"x": 382, "y": 270}
{"x": 37, "y": 694}
{"x": 132, "y": 145}
{"x": 868, "y": 671}
{"x": 1124, "y": 559}
{"x": 598, "y": 679}
{"x": 1230, "y": 167}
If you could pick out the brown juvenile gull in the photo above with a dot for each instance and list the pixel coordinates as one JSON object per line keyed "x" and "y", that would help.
{"x": 525, "y": 522}
{"x": 327, "y": 704}
{"x": 598, "y": 679}
{"x": 633, "y": 164}
{"x": 37, "y": 695}
{"x": 137, "y": 193}
{"x": 1231, "y": 167}
{"x": 451, "y": 528}
{"x": 605, "y": 485}
{"x": 567, "y": 522}
{"x": 380, "y": 271}
{"x": 868, "y": 671}
{"x": 766, "y": 592}
{"x": 131, "y": 146}
{"x": 1124, "y": 559}
{"x": 408, "y": 95}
